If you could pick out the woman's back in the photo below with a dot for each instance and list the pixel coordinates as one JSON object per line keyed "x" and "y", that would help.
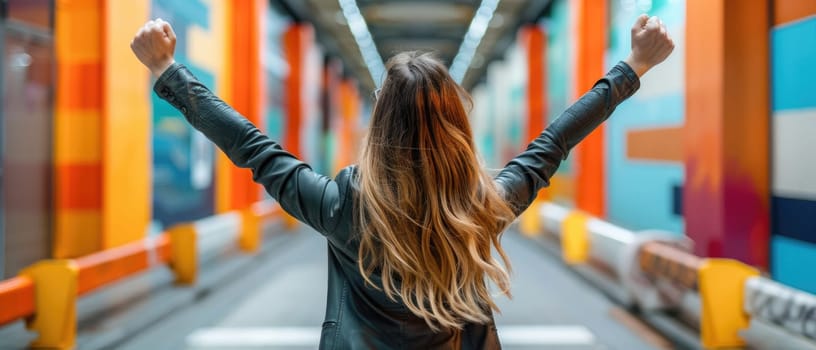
{"x": 360, "y": 314}
{"x": 411, "y": 229}
{"x": 361, "y": 317}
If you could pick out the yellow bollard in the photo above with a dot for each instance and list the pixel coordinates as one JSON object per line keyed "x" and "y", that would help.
{"x": 530, "y": 220}
{"x": 722, "y": 287}
{"x": 184, "y": 257}
{"x": 575, "y": 238}
{"x": 250, "y": 237}
{"x": 55, "y": 285}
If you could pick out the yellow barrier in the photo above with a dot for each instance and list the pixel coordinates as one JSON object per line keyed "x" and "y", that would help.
{"x": 720, "y": 283}
{"x": 249, "y": 239}
{"x": 55, "y": 288}
{"x": 575, "y": 238}
{"x": 184, "y": 261}
{"x": 721, "y": 286}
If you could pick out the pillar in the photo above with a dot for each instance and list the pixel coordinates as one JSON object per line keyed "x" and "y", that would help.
{"x": 126, "y": 158}
{"x": 591, "y": 22}
{"x": 246, "y": 34}
{"x": 78, "y": 127}
{"x": 297, "y": 41}
{"x": 726, "y": 136}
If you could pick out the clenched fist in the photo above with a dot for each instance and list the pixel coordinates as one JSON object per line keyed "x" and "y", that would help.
{"x": 154, "y": 45}
{"x": 651, "y": 44}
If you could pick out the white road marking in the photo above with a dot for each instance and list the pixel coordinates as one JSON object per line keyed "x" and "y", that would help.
{"x": 552, "y": 335}
{"x": 545, "y": 335}
{"x": 254, "y": 337}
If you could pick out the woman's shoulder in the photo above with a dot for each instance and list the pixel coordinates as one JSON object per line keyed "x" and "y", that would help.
{"x": 346, "y": 179}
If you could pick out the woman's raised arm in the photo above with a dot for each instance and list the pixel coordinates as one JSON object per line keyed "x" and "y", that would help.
{"x": 530, "y": 171}
{"x": 306, "y": 195}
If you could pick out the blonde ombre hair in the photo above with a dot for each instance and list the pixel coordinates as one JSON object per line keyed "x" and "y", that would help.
{"x": 429, "y": 214}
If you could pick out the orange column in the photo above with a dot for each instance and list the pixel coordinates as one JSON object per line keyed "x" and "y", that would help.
{"x": 534, "y": 41}
{"x": 349, "y": 101}
{"x": 78, "y": 127}
{"x": 725, "y": 198}
{"x": 297, "y": 41}
{"x": 236, "y": 189}
{"x": 591, "y": 22}
{"x": 126, "y": 158}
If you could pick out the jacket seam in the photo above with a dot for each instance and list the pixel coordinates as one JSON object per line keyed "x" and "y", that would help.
{"x": 340, "y": 314}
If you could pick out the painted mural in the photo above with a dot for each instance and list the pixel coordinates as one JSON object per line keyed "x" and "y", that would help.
{"x": 644, "y": 138}
{"x": 793, "y": 197}
{"x": 183, "y": 159}
{"x": 560, "y": 58}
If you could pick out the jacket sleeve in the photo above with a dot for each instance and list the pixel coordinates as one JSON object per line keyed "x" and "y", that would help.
{"x": 530, "y": 171}
{"x": 306, "y": 195}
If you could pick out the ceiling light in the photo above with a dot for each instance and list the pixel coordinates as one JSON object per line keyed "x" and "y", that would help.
{"x": 477, "y": 30}
{"x": 365, "y": 43}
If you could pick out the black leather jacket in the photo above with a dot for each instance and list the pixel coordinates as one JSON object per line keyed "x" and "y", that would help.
{"x": 357, "y": 316}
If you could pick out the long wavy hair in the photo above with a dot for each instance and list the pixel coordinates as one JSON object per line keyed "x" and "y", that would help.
{"x": 429, "y": 214}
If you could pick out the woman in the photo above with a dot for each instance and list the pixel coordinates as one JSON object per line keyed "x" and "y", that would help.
{"x": 411, "y": 228}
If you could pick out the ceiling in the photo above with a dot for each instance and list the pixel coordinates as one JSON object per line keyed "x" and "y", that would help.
{"x": 399, "y": 25}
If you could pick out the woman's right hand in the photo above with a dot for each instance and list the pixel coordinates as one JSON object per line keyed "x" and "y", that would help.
{"x": 154, "y": 45}
{"x": 651, "y": 44}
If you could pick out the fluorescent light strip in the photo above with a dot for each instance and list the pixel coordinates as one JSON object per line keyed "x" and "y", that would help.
{"x": 477, "y": 30}
{"x": 365, "y": 42}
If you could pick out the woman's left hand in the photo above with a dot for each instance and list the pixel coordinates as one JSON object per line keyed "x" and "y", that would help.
{"x": 155, "y": 45}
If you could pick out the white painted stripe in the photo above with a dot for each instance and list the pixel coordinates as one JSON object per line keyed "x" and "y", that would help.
{"x": 254, "y": 337}
{"x": 794, "y": 171}
{"x": 545, "y": 335}
{"x": 310, "y": 337}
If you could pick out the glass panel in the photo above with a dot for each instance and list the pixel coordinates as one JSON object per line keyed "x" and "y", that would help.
{"x": 28, "y": 79}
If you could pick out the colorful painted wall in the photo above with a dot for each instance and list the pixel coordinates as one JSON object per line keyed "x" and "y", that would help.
{"x": 689, "y": 153}
{"x": 793, "y": 124}
{"x": 183, "y": 159}
{"x": 499, "y": 113}
{"x": 134, "y": 157}
{"x": 644, "y": 136}
{"x": 559, "y": 80}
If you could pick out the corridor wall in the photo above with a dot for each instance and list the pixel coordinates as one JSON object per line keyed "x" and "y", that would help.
{"x": 793, "y": 124}
{"x": 644, "y": 136}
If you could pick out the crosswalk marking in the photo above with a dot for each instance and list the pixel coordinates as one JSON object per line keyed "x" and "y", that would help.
{"x": 518, "y": 335}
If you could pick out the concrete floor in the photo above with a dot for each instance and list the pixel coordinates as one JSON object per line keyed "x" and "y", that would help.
{"x": 279, "y": 304}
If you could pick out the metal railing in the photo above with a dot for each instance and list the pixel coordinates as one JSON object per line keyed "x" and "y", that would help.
{"x": 45, "y": 294}
{"x": 710, "y": 303}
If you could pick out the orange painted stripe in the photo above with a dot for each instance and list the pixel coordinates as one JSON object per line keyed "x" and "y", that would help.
{"x": 16, "y": 299}
{"x": 78, "y": 186}
{"x": 79, "y": 85}
{"x": 590, "y": 186}
{"x": 662, "y": 144}
{"x": 792, "y": 10}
